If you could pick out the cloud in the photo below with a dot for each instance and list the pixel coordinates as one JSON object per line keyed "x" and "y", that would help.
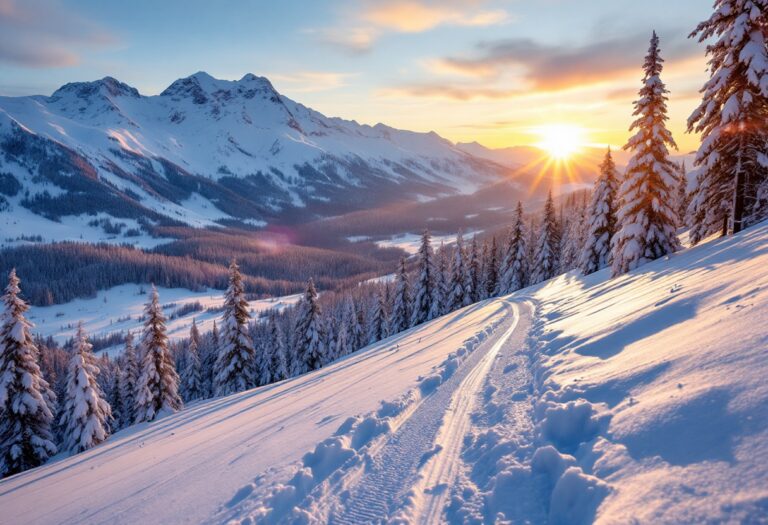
{"x": 368, "y": 20}
{"x": 461, "y": 93}
{"x": 410, "y": 16}
{"x": 310, "y": 81}
{"x": 554, "y": 67}
{"x": 354, "y": 40}
{"x": 40, "y": 33}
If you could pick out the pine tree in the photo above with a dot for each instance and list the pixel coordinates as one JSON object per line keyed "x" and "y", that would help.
{"x": 309, "y": 333}
{"x": 401, "y": 309}
{"x": 732, "y": 160}
{"x": 191, "y": 376}
{"x": 474, "y": 276}
{"x": 341, "y": 342}
{"x": 279, "y": 366}
{"x": 379, "y": 325}
{"x": 545, "y": 263}
{"x": 601, "y": 227}
{"x": 516, "y": 275}
{"x": 359, "y": 326}
{"x": 115, "y": 399}
{"x": 425, "y": 300}
{"x": 86, "y": 413}
{"x": 442, "y": 280}
{"x": 507, "y": 256}
{"x": 208, "y": 361}
{"x": 128, "y": 381}
{"x": 235, "y": 370}
{"x": 682, "y": 199}
{"x": 458, "y": 284}
{"x": 572, "y": 242}
{"x": 492, "y": 270}
{"x": 158, "y": 383}
{"x": 646, "y": 219}
{"x": 26, "y": 401}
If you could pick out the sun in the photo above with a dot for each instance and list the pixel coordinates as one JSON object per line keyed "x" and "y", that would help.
{"x": 560, "y": 141}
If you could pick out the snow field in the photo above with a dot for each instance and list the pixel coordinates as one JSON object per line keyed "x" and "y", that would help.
{"x": 651, "y": 402}
{"x": 120, "y": 308}
{"x": 341, "y": 479}
{"x": 210, "y": 462}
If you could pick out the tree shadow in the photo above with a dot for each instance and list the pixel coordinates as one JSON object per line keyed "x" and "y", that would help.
{"x": 662, "y": 317}
{"x": 699, "y": 429}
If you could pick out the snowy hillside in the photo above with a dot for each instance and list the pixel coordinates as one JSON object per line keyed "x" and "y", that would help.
{"x": 121, "y": 309}
{"x": 637, "y": 399}
{"x": 207, "y": 150}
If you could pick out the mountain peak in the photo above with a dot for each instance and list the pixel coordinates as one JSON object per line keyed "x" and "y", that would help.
{"x": 107, "y": 87}
{"x": 201, "y": 87}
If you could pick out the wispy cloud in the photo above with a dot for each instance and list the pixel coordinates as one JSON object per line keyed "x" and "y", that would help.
{"x": 449, "y": 92}
{"x": 310, "y": 81}
{"x": 515, "y": 67}
{"x": 41, "y": 33}
{"x": 552, "y": 67}
{"x": 368, "y": 20}
{"x": 411, "y": 16}
{"x": 353, "y": 40}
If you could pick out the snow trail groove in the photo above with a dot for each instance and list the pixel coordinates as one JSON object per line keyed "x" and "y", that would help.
{"x": 440, "y": 471}
{"x": 380, "y": 490}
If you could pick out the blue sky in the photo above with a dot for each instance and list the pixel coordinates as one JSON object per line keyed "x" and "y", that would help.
{"x": 468, "y": 69}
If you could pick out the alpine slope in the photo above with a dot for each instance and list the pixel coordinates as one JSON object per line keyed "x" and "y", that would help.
{"x": 640, "y": 399}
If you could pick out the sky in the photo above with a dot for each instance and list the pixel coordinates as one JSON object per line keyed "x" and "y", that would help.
{"x": 490, "y": 71}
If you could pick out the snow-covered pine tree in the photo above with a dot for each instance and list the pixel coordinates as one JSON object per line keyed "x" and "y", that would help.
{"x": 360, "y": 332}
{"x": 601, "y": 226}
{"x": 442, "y": 280}
{"x": 573, "y": 240}
{"x": 516, "y": 275}
{"x": 128, "y": 381}
{"x": 646, "y": 219}
{"x": 275, "y": 339}
{"x": 331, "y": 338}
{"x": 507, "y": 256}
{"x": 26, "y": 400}
{"x": 208, "y": 361}
{"x": 263, "y": 357}
{"x": 310, "y": 353}
{"x": 401, "y": 307}
{"x": 682, "y": 199}
{"x": 425, "y": 298}
{"x": 85, "y": 412}
{"x": 458, "y": 284}
{"x": 474, "y": 276}
{"x": 545, "y": 261}
{"x": 732, "y": 160}
{"x": 191, "y": 376}
{"x": 341, "y": 343}
{"x": 158, "y": 384}
{"x": 115, "y": 398}
{"x": 235, "y": 364}
{"x": 379, "y": 324}
{"x": 482, "y": 284}
{"x": 349, "y": 324}
{"x": 492, "y": 270}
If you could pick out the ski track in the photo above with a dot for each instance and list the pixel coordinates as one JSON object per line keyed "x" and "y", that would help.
{"x": 393, "y": 472}
{"x": 440, "y": 471}
{"x": 501, "y": 440}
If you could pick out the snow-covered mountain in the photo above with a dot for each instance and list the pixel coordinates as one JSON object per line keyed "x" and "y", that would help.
{"x": 208, "y": 150}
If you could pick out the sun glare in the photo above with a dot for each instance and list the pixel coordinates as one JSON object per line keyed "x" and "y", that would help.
{"x": 560, "y": 141}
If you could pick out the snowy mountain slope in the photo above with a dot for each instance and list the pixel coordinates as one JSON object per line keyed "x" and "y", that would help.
{"x": 637, "y": 399}
{"x": 206, "y": 149}
{"x": 190, "y": 466}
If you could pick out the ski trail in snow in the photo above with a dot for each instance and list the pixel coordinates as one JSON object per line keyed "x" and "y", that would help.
{"x": 433, "y": 487}
{"x": 393, "y": 469}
